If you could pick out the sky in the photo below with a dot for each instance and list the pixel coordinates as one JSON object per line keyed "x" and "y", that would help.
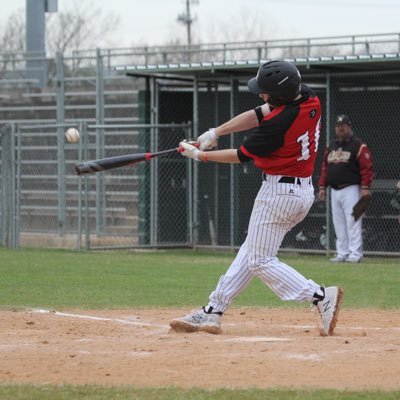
{"x": 154, "y": 22}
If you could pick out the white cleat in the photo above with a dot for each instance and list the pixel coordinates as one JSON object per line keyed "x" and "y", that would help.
{"x": 353, "y": 259}
{"x": 198, "y": 320}
{"x": 338, "y": 259}
{"x": 329, "y": 308}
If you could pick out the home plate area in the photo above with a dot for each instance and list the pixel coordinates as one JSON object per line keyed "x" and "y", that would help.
{"x": 260, "y": 347}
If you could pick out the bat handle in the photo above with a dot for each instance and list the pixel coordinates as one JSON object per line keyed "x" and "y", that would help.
{"x": 193, "y": 143}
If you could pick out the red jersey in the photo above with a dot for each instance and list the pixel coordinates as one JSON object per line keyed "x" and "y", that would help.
{"x": 286, "y": 141}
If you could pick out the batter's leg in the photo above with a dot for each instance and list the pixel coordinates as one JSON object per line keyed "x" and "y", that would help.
{"x": 274, "y": 214}
{"x": 236, "y": 278}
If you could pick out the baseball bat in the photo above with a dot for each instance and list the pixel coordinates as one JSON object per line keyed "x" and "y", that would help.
{"x": 104, "y": 164}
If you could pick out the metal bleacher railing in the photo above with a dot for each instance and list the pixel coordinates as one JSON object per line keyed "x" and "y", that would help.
{"x": 12, "y": 65}
{"x": 251, "y": 50}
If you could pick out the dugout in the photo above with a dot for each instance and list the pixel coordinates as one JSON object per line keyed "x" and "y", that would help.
{"x": 367, "y": 87}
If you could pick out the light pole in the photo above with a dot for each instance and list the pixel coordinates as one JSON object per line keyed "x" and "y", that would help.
{"x": 35, "y": 39}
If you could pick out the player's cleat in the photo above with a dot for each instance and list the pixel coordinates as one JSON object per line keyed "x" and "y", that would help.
{"x": 329, "y": 308}
{"x": 353, "y": 259}
{"x": 198, "y": 320}
{"x": 338, "y": 259}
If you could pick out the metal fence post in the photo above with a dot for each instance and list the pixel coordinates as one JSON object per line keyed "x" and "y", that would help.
{"x": 100, "y": 186}
{"x": 195, "y": 167}
{"x": 60, "y": 143}
{"x": 8, "y": 188}
{"x": 233, "y": 106}
{"x": 17, "y": 214}
{"x": 11, "y": 183}
{"x": 2, "y": 187}
{"x": 155, "y": 148}
{"x": 327, "y": 194}
{"x": 79, "y": 240}
{"x": 153, "y": 120}
{"x": 85, "y": 143}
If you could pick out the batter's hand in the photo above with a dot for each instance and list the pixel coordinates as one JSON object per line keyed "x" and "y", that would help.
{"x": 208, "y": 139}
{"x": 188, "y": 150}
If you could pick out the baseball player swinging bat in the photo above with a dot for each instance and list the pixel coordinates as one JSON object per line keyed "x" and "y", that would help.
{"x": 104, "y": 164}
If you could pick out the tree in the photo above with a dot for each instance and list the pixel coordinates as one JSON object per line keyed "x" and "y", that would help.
{"x": 82, "y": 26}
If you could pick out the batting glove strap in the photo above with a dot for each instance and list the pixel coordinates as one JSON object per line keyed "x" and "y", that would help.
{"x": 189, "y": 150}
{"x": 208, "y": 139}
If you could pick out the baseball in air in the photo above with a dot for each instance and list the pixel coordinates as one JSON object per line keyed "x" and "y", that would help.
{"x": 72, "y": 135}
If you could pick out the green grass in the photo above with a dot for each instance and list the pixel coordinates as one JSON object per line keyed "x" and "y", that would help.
{"x": 62, "y": 279}
{"x": 184, "y": 278}
{"x": 68, "y": 392}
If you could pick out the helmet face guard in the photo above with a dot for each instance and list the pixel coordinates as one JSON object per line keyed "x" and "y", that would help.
{"x": 281, "y": 80}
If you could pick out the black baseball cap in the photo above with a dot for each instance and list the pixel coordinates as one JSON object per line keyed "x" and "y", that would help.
{"x": 343, "y": 119}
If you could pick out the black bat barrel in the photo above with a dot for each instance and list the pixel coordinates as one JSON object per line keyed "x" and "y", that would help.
{"x": 103, "y": 164}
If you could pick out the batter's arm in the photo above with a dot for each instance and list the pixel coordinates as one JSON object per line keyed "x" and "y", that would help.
{"x": 242, "y": 122}
{"x": 227, "y": 156}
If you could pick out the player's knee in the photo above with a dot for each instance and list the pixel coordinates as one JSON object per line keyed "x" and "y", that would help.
{"x": 260, "y": 265}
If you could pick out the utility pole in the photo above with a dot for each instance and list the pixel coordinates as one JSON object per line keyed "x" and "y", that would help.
{"x": 187, "y": 20}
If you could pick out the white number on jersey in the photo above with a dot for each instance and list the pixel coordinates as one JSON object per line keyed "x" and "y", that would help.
{"x": 305, "y": 142}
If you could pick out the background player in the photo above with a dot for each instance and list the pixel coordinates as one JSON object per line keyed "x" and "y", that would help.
{"x": 347, "y": 169}
{"x": 284, "y": 146}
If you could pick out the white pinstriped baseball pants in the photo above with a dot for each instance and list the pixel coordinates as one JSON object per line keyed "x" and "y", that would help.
{"x": 278, "y": 207}
{"x": 349, "y": 240}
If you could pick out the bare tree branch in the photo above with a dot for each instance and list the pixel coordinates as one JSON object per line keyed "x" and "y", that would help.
{"x": 81, "y": 27}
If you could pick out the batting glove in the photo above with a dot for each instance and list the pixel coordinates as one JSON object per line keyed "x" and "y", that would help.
{"x": 189, "y": 150}
{"x": 208, "y": 139}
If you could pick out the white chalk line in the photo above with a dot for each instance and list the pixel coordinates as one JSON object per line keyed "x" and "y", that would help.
{"x": 94, "y": 318}
{"x": 304, "y": 357}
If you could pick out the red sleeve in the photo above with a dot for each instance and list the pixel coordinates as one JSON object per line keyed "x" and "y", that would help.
{"x": 322, "y": 178}
{"x": 364, "y": 158}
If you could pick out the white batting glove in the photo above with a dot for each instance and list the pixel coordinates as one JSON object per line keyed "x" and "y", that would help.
{"x": 208, "y": 139}
{"x": 189, "y": 150}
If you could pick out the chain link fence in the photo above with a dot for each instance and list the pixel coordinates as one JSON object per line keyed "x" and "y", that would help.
{"x": 45, "y": 204}
{"x": 224, "y": 194}
{"x": 169, "y": 201}
{"x": 143, "y": 205}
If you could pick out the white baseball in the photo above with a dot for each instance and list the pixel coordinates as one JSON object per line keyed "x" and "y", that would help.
{"x": 72, "y": 135}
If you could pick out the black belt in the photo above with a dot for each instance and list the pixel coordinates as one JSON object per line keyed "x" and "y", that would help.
{"x": 286, "y": 179}
{"x": 289, "y": 179}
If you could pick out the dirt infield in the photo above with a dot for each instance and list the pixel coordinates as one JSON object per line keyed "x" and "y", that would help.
{"x": 258, "y": 348}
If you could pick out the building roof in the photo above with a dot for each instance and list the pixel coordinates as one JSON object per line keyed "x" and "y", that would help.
{"x": 310, "y": 65}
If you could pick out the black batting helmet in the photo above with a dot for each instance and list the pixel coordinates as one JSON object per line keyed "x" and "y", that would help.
{"x": 281, "y": 80}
